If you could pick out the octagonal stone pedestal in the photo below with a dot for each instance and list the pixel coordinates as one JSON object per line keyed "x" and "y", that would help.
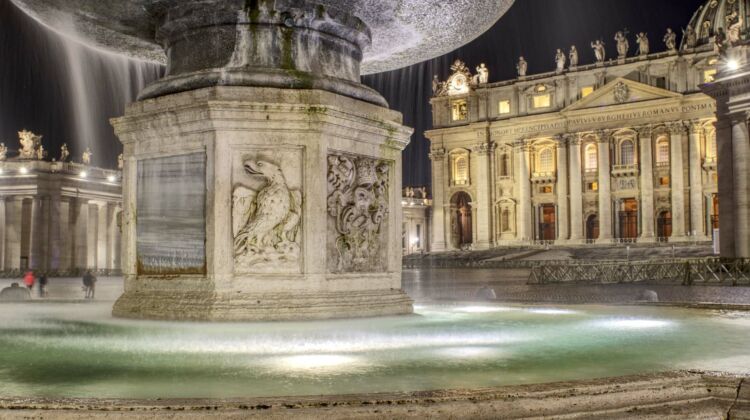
{"x": 253, "y": 203}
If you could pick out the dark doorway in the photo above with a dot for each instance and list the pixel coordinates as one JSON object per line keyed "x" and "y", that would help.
{"x": 462, "y": 223}
{"x": 547, "y": 225}
{"x": 629, "y": 219}
{"x": 714, "y": 211}
{"x": 592, "y": 227}
{"x": 664, "y": 224}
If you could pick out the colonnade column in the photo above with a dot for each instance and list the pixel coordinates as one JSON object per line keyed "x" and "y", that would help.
{"x": 437, "y": 156}
{"x": 576, "y": 189}
{"x": 111, "y": 236}
{"x": 101, "y": 236}
{"x": 647, "y": 185}
{"x": 741, "y": 155}
{"x": 67, "y": 232}
{"x": 483, "y": 205}
{"x": 562, "y": 189}
{"x": 80, "y": 236}
{"x": 54, "y": 244}
{"x": 697, "y": 219}
{"x": 605, "y": 188}
{"x": 676, "y": 179}
{"x": 523, "y": 179}
{"x": 726, "y": 187}
{"x": 91, "y": 235}
{"x": 13, "y": 208}
{"x": 2, "y": 233}
{"x": 36, "y": 236}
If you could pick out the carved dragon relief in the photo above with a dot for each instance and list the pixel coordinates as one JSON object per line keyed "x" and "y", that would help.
{"x": 357, "y": 209}
{"x": 266, "y": 221}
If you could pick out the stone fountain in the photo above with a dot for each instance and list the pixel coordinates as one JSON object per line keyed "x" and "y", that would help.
{"x": 261, "y": 178}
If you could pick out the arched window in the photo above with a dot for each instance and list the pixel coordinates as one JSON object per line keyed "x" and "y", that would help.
{"x": 591, "y": 160}
{"x": 627, "y": 153}
{"x": 546, "y": 163}
{"x": 662, "y": 151}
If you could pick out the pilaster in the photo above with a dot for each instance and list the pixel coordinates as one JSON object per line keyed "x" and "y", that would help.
{"x": 576, "y": 189}
{"x": 676, "y": 180}
{"x": 646, "y": 209}
{"x": 484, "y": 152}
{"x": 697, "y": 216}
{"x": 605, "y": 189}
{"x": 562, "y": 189}
{"x": 523, "y": 215}
{"x": 440, "y": 179}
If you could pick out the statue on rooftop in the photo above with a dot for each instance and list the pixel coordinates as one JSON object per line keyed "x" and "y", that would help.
{"x": 423, "y": 192}
{"x": 86, "y": 157}
{"x": 64, "y": 152}
{"x": 30, "y": 142}
{"x": 40, "y": 152}
{"x": 599, "y": 51}
{"x": 623, "y": 45}
{"x": 560, "y": 60}
{"x": 522, "y": 67}
{"x": 643, "y": 45}
{"x": 690, "y": 37}
{"x": 3, "y": 151}
{"x": 484, "y": 74}
{"x": 734, "y": 27}
{"x": 670, "y": 40}
{"x": 573, "y": 56}
{"x": 120, "y": 161}
{"x": 720, "y": 42}
{"x": 435, "y": 84}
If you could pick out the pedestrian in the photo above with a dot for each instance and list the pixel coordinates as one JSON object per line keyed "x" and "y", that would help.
{"x": 92, "y": 281}
{"x": 43, "y": 285}
{"x": 87, "y": 284}
{"x": 28, "y": 279}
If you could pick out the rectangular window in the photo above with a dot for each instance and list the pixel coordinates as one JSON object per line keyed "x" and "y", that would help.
{"x": 586, "y": 91}
{"x": 545, "y": 189}
{"x": 459, "y": 110}
{"x": 542, "y": 101}
{"x": 709, "y": 76}
{"x": 592, "y": 186}
{"x": 660, "y": 82}
{"x": 664, "y": 181}
{"x": 503, "y": 107}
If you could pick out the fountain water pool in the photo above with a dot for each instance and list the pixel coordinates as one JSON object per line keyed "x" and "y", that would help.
{"x": 51, "y": 350}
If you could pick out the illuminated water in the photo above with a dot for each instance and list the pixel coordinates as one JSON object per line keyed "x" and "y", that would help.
{"x": 79, "y": 350}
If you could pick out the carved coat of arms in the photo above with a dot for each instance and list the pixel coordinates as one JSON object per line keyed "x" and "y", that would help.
{"x": 357, "y": 209}
{"x": 622, "y": 93}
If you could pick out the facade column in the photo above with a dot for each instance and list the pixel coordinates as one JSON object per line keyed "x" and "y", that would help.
{"x": 697, "y": 224}
{"x": 676, "y": 180}
{"x": 576, "y": 189}
{"x": 67, "y": 233}
{"x": 3, "y": 228}
{"x": 13, "y": 208}
{"x": 523, "y": 179}
{"x": 562, "y": 190}
{"x": 80, "y": 236}
{"x": 605, "y": 190}
{"x": 646, "y": 208}
{"x": 36, "y": 234}
{"x": 439, "y": 215}
{"x": 101, "y": 236}
{"x": 91, "y": 235}
{"x": 726, "y": 187}
{"x": 54, "y": 245}
{"x": 741, "y": 154}
{"x": 483, "y": 202}
{"x": 111, "y": 236}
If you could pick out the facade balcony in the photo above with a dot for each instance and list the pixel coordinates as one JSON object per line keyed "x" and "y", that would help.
{"x": 544, "y": 177}
{"x": 625, "y": 170}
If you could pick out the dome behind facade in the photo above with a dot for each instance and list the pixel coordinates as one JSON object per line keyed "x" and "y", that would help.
{"x": 713, "y": 15}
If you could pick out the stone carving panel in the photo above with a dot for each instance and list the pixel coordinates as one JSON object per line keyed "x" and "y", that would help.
{"x": 171, "y": 222}
{"x": 627, "y": 184}
{"x": 267, "y": 211}
{"x": 358, "y": 210}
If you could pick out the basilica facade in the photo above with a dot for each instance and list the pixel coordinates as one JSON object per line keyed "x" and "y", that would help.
{"x": 621, "y": 150}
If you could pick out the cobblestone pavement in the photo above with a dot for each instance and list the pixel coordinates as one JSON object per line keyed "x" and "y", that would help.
{"x": 510, "y": 285}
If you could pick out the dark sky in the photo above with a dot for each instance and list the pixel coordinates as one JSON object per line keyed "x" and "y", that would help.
{"x": 36, "y": 70}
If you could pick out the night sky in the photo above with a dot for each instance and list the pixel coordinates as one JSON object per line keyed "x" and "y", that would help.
{"x": 35, "y": 92}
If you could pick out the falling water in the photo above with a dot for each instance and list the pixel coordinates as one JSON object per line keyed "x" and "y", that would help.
{"x": 86, "y": 87}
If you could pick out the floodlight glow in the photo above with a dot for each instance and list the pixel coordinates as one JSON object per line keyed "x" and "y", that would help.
{"x": 24, "y": 170}
{"x": 733, "y": 64}
{"x": 84, "y": 174}
{"x": 111, "y": 178}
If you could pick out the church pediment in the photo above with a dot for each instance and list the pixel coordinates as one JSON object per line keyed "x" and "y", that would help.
{"x": 620, "y": 92}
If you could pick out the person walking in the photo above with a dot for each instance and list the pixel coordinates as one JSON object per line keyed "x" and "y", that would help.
{"x": 87, "y": 284}
{"x": 28, "y": 279}
{"x": 43, "y": 285}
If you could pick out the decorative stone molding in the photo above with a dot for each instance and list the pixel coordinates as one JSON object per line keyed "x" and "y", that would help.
{"x": 437, "y": 154}
{"x": 484, "y": 148}
{"x": 677, "y": 127}
{"x": 357, "y": 213}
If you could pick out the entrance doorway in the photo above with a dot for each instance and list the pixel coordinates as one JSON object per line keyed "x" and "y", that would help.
{"x": 664, "y": 224}
{"x": 592, "y": 227}
{"x": 629, "y": 219}
{"x": 461, "y": 220}
{"x": 547, "y": 224}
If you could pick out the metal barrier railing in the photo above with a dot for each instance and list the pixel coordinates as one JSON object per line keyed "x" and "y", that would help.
{"x": 687, "y": 272}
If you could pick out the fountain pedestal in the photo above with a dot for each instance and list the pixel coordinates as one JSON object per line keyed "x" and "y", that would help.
{"x": 245, "y": 203}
